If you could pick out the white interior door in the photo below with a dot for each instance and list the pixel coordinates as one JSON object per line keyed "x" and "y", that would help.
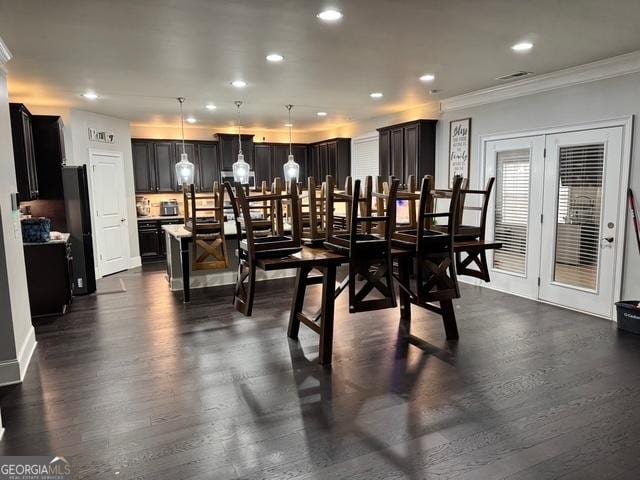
{"x": 581, "y": 192}
{"x": 110, "y": 212}
{"x": 514, "y": 213}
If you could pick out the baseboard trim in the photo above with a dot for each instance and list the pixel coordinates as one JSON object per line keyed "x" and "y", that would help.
{"x": 135, "y": 262}
{"x": 13, "y": 371}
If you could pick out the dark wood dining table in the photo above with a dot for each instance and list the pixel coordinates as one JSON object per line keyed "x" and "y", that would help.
{"x": 327, "y": 262}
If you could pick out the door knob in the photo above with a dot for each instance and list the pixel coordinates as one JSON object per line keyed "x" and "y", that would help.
{"x": 123, "y": 219}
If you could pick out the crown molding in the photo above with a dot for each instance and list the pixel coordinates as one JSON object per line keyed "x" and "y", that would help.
{"x": 5, "y": 54}
{"x": 589, "y": 72}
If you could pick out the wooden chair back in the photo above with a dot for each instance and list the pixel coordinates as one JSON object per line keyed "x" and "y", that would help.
{"x": 314, "y": 219}
{"x": 279, "y": 242}
{"x": 206, "y": 223}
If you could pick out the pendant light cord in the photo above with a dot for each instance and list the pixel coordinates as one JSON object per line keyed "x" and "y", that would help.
{"x": 238, "y": 103}
{"x": 181, "y": 100}
{"x": 289, "y": 107}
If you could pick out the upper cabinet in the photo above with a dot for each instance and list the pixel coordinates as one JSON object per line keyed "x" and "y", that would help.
{"x": 154, "y": 164}
{"x": 408, "y": 149}
{"x": 269, "y": 160}
{"x": 229, "y": 149}
{"x": 331, "y": 157}
{"x": 48, "y": 142}
{"x": 24, "y": 152}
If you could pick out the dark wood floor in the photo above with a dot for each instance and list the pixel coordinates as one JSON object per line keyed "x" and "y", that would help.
{"x": 137, "y": 385}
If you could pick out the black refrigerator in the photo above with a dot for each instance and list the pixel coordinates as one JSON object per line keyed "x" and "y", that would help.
{"x": 78, "y": 212}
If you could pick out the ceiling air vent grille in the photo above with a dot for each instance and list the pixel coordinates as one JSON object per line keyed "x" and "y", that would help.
{"x": 514, "y": 76}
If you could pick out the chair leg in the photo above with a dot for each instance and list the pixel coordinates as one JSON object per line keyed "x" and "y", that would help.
{"x": 485, "y": 267}
{"x": 245, "y": 287}
{"x": 251, "y": 288}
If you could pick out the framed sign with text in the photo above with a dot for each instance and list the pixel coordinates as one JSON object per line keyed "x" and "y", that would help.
{"x": 459, "y": 148}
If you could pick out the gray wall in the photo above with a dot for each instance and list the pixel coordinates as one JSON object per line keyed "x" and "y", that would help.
{"x": 16, "y": 332}
{"x": 602, "y": 100}
{"x": 80, "y": 121}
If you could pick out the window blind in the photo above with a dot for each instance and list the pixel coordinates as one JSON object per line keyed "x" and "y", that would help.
{"x": 364, "y": 157}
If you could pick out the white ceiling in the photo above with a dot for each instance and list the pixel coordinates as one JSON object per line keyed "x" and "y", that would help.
{"x": 141, "y": 54}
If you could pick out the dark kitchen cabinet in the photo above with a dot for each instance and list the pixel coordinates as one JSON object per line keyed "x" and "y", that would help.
{"x": 408, "y": 149}
{"x": 144, "y": 169}
{"x": 165, "y": 162}
{"x": 24, "y": 152}
{"x": 49, "y": 269}
{"x": 190, "y": 150}
{"x": 263, "y": 163}
{"x": 269, "y": 160}
{"x": 229, "y": 150}
{"x": 331, "y": 157}
{"x": 207, "y": 165}
{"x": 149, "y": 240}
{"x": 50, "y": 156}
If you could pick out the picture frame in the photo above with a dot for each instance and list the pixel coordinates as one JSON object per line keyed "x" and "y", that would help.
{"x": 459, "y": 148}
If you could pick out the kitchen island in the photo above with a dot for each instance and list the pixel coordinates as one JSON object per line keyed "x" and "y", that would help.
{"x": 182, "y": 277}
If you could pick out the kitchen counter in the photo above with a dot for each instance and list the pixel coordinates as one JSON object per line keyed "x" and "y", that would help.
{"x": 64, "y": 239}
{"x": 152, "y": 218}
{"x": 178, "y": 231}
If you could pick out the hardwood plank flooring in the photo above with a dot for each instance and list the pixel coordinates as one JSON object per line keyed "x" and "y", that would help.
{"x": 136, "y": 385}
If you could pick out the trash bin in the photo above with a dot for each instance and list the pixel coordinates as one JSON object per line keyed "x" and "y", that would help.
{"x": 629, "y": 316}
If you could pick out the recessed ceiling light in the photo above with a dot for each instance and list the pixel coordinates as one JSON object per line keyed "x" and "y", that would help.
{"x": 210, "y": 106}
{"x": 428, "y": 77}
{"x": 239, "y": 83}
{"x": 376, "y": 95}
{"x": 330, "y": 15}
{"x": 275, "y": 57}
{"x": 191, "y": 120}
{"x": 322, "y": 114}
{"x": 434, "y": 91}
{"x": 522, "y": 47}
{"x": 288, "y": 124}
{"x": 90, "y": 95}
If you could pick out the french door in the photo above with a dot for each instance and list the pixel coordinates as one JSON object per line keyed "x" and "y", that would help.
{"x": 555, "y": 210}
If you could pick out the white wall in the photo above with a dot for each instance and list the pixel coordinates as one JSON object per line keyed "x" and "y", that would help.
{"x": 588, "y": 102}
{"x": 17, "y": 336}
{"x": 80, "y": 122}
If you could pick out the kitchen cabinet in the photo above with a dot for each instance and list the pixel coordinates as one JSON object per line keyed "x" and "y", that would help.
{"x": 228, "y": 143}
{"x": 269, "y": 160}
{"x": 154, "y": 164}
{"x": 263, "y": 161}
{"x": 152, "y": 239}
{"x": 408, "y": 149}
{"x": 24, "y": 152}
{"x": 165, "y": 162}
{"x": 331, "y": 157}
{"x": 144, "y": 169}
{"x": 49, "y": 269}
{"x": 50, "y": 155}
{"x": 207, "y": 165}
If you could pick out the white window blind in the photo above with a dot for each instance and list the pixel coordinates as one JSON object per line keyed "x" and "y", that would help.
{"x": 512, "y": 210}
{"x": 577, "y": 242}
{"x": 364, "y": 157}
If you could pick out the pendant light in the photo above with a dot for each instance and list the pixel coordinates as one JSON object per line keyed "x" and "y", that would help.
{"x": 240, "y": 168}
{"x": 185, "y": 170}
{"x": 291, "y": 168}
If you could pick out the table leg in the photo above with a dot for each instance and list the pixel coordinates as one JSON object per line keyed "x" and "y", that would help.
{"x": 298, "y": 302}
{"x": 186, "y": 268}
{"x": 404, "y": 271}
{"x": 328, "y": 303}
{"x": 449, "y": 319}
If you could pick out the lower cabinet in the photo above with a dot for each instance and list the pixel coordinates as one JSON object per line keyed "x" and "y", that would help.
{"x": 152, "y": 239}
{"x": 49, "y": 277}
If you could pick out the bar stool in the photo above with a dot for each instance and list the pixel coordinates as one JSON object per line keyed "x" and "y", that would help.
{"x": 369, "y": 253}
{"x": 209, "y": 247}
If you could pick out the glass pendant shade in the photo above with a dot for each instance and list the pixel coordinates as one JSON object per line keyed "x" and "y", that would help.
{"x": 291, "y": 170}
{"x": 185, "y": 170}
{"x": 241, "y": 170}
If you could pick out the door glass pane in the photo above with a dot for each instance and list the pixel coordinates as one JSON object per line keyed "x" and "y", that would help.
{"x": 579, "y": 193}
{"x": 512, "y": 210}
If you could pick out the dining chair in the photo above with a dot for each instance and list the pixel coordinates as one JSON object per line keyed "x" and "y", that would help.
{"x": 253, "y": 247}
{"x": 370, "y": 277}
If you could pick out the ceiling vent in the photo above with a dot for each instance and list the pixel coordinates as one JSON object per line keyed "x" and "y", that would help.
{"x": 514, "y": 76}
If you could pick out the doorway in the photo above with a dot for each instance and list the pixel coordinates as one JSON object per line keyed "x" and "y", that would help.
{"x": 109, "y": 211}
{"x": 559, "y": 211}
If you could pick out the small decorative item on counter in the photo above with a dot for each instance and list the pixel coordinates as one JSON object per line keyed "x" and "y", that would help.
{"x": 36, "y": 230}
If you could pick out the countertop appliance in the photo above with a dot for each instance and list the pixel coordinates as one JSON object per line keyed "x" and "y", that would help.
{"x": 76, "y": 202}
{"x": 143, "y": 206}
{"x": 169, "y": 208}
